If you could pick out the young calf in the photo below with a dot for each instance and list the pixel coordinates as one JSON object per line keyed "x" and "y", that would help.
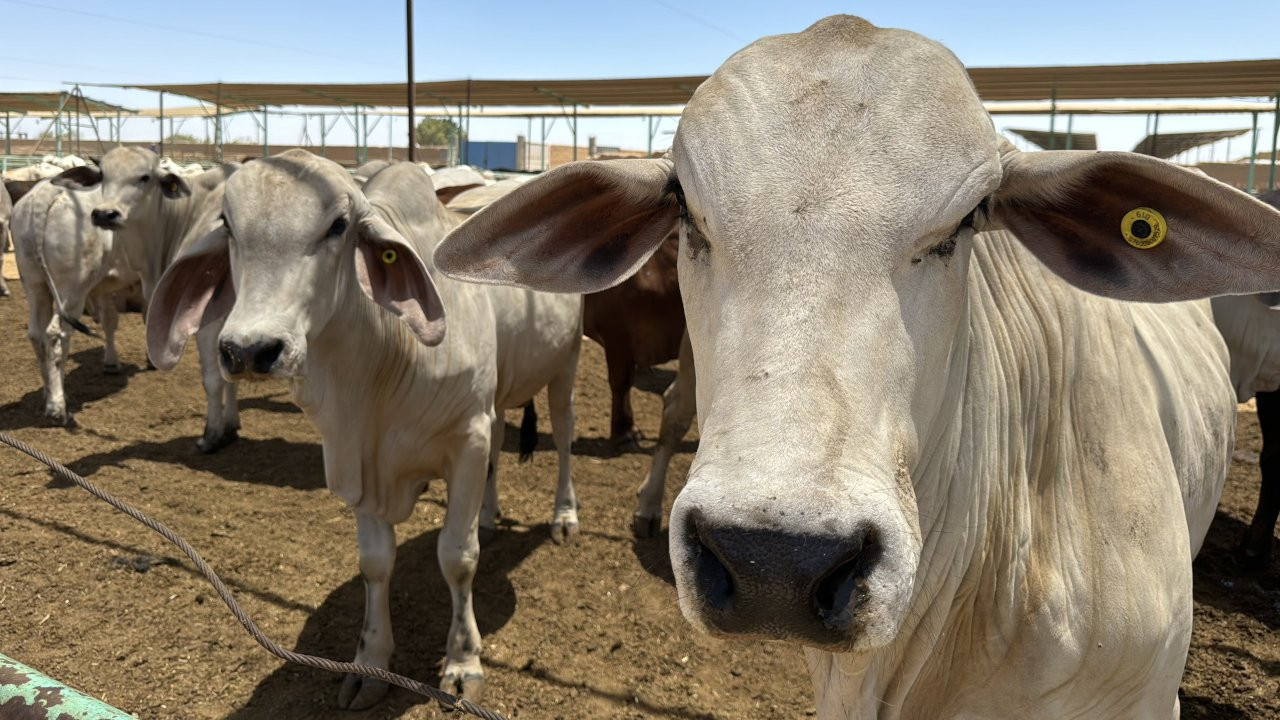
{"x": 326, "y": 285}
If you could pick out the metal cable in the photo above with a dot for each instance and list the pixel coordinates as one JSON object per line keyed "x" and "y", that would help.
{"x": 447, "y": 701}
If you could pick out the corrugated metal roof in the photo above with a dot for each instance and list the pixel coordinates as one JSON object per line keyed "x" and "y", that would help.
{"x": 1166, "y": 145}
{"x": 1057, "y": 140}
{"x": 1239, "y": 78}
{"x": 51, "y": 101}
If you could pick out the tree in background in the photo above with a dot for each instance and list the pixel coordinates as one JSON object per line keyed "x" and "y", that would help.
{"x": 437, "y": 131}
{"x": 183, "y": 138}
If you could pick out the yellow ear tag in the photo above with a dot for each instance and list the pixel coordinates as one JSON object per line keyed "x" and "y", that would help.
{"x": 389, "y": 256}
{"x": 1143, "y": 228}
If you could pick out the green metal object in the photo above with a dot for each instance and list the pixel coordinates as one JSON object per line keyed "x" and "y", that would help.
{"x": 1275, "y": 136}
{"x": 1253, "y": 152}
{"x": 28, "y": 693}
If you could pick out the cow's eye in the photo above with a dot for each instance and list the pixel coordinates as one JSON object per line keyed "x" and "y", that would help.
{"x": 338, "y": 227}
{"x": 222, "y": 218}
{"x": 144, "y": 179}
{"x": 976, "y": 217}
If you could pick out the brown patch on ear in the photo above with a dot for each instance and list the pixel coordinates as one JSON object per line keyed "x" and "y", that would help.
{"x": 173, "y": 186}
{"x": 78, "y": 178}
{"x": 449, "y": 193}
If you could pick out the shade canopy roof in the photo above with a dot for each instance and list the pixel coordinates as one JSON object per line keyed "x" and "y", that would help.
{"x": 1166, "y": 145}
{"x": 35, "y": 102}
{"x": 1057, "y": 140}
{"x": 1238, "y": 78}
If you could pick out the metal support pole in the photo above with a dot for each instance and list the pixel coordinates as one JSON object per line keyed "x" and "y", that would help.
{"x": 1275, "y": 136}
{"x": 575, "y": 131}
{"x": 1155, "y": 135}
{"x": 1253, "y": 152}
{"x": 8, "y": 142}
{"x": 57, "y": 128}
{"x": 161, "y": 145}
{"x": 391, "y": 140}
{"x": 408, "y": 27}
{"x": 27, "y": 692}
{"x": 119, "y": 126}
{"x": 1070, "y": 118}
{"x": 544, "y": 142}
{"x": 266, "y": 144}
{"x": 217, "y": 123}
{"x": 1053, "y": 113}
{"x": 466, "y": 150}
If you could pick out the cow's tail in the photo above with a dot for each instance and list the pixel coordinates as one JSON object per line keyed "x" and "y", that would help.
{"x": 58, "y": 307}
{"x": 528, "y": 432}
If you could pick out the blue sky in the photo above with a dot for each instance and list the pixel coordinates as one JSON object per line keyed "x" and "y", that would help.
{"x": 322, "y": 41}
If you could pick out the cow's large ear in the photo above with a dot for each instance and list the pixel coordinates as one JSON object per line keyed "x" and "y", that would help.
{"x": 195, "y": 291}
{"x": 391, "y": 273}
{"x": 84, "y": 177}
{"x": 579, "y": 228}
{"x": 1133, "y": 227}
{"x": 173, "y": 186}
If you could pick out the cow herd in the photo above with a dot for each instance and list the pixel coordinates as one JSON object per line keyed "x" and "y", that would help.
{"x": 965, "y": 412}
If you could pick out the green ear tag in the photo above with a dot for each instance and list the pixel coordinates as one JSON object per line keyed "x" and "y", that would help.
{"x": 389, "y": 256}
{"x": 1144, "y": 228}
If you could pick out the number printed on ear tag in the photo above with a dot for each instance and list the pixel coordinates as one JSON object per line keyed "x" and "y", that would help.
{"x": 1144, "y": 228}
{"x": 389, "y": 256}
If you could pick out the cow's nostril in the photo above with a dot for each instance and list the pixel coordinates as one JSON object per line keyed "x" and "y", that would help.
{"x": 842, "y": 589}
{"x": 265, "y": 355}
{"x": 231, "y": 356}
{"x": 714, "y": 581}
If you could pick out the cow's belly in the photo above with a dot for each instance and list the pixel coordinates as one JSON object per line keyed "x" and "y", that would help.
{"x": 538, "y": 337}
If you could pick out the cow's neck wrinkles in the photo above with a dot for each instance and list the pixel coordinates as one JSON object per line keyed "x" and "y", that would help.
{"x": 973, "y": 507}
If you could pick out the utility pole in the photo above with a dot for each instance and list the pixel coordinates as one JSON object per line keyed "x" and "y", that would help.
{"x": 408, "y": 28}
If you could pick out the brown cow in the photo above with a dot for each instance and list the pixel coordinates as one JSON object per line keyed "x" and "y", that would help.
{"x": 639, "y": 324}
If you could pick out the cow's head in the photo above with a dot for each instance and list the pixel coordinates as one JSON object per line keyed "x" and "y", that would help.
{"x": 827, "y": 186}
{"x": 131, "y": 177}
{"x": 295, "y": 231}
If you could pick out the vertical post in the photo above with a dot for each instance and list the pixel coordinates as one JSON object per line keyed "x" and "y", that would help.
{"x": 391, "y": 140}
{"x": 8, "y": 142}
{"x": 528, "y": 133}
{"x": 1275, "y": 135}
{"x": 266, "y": 144}
{"x": 1155, "y": 135}
{"x": 649, "y": 124}
{"x": 466, "y": 138}
{"x": 324, "y": 130}
{"x": 57, "y": 128}
{"x": 119, "y": 125}
{"x": 575, "y": 131}
{"x": 408, "y": 28}
{"x": 1253, "y": 152}
{"x": 161, "y": 145}
{"x": 217, "y": 122}
{"x": 1070, "y": 118}
{"x": 1053, "y": 113}
{"x": 544, "y": 142}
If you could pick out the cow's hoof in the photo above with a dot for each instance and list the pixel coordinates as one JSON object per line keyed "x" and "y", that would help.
{"x": 59, "y": 418}
{"x": 486, "y": 535}
{"x": 150, "y": 366}
{"x": 4, "y": 291}
{"x": 212, "y": 443}
{"x": 645, "y": 527}
{"x": 564, "y": 532}
{"x": 361, "y": 693}
{"x": 626, "y": 442}
{"x": 463, "y": 685}
{"x": 114, "y": 369}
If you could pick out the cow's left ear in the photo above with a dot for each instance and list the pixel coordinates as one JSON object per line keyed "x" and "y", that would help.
{"x": 391, "y": 273}
{"x": 1133, "y": 227}
{"x": 83, "y": 177}
{"x": 173, "y": 186}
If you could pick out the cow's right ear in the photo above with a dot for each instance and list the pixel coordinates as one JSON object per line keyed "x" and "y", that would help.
{"x": 84, "y": 177}
{"x": 579, "y": 228}
{"x": 195, "y": 291}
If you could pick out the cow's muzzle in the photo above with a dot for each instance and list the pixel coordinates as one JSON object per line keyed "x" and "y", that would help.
{"x": 806, "y": 587}
{"x": 106, "y": 218}
{"x": 257, "y": 358}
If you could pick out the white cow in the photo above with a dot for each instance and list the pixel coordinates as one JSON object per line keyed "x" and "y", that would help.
{"x": 155, "y": 215}
{"x": 937, "y": 458}
{"x": 6, "y": 212}
{"x": 1250, "y": 325}
{"x": 33, "y": 172}
{"x": 65, "y": 261}
{"x": 326, "y": 285}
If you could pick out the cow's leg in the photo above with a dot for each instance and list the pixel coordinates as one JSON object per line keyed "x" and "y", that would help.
{"x": 56, "y": 339}
{"x": 490, "y": 510}
{"x": 4, "y": 245}
{"x": 109, "y": 318}
{"x": 622, "y": 375}
{"x": 1255, "y": 549}
{"x": 230, "y": 408}
{"x": 377, "y": 539}
{"x": 564, "y": 518}
{"x": 679, "y": 403}
{"x": 217, "y": 434}
{"x": 458, "y": 551}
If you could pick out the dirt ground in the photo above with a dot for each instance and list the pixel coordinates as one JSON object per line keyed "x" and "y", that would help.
{"x": 590, "y": 631}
